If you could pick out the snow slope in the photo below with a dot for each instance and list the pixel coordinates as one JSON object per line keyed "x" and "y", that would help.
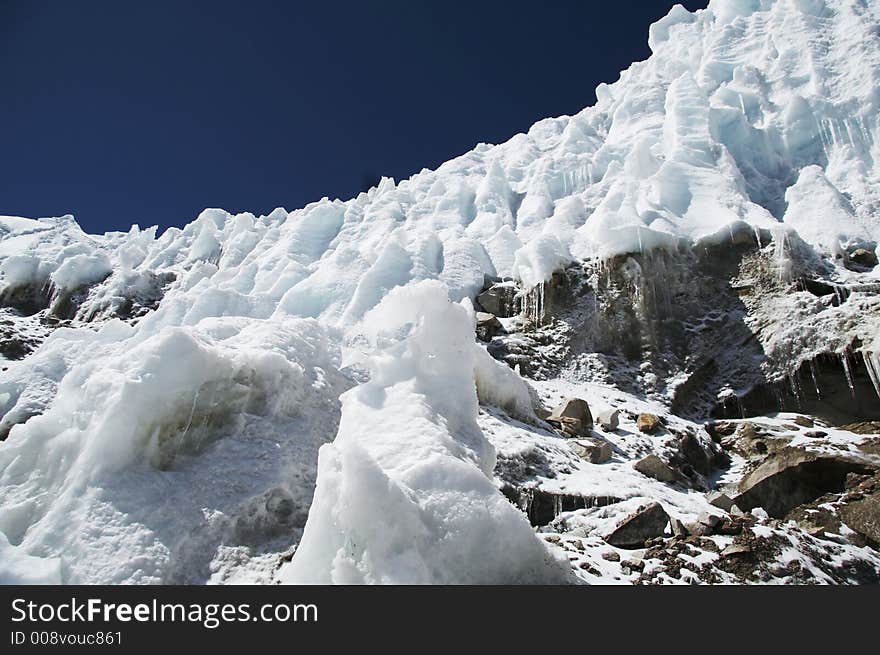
{"x": 178, "y": 413}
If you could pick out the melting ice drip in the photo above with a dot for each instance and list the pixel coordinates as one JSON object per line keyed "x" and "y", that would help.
{"x": 534, "y": 310}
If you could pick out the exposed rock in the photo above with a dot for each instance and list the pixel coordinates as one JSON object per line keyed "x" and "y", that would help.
{"x": 791, "y": 477}
{"x": 571, "y": 427}
{"x": 730, "y": 525}
{"x": 706, "y": 518}
{"x": 499, "y": 299}
{"x": 611, "y": 556}
{"x": 720, "y": 429}
{"x": 752, "y": 439}
{"x": 542, "y": 507}
{"x": 16, "y": 348}
{"x": 654, "y": 467}
{"x": 815, "y": 434}
{"x": 863, "y": 258}
{"x": 702, "y": 457}
{"x": 648, "y": 423}
{"x": 863, "y": 516}
{"x": 645, "y": 523}
{"x": 678, "y": 527}
{"x": 736, "y": 548}
{"x": 705, "y": 524}
{"x": 863, "y": 427}
{"x": 870, "y": 446}
{"x": 596, "y": 451}
{"x": 803, "y": 421}
{"x": 488, "y": 326}
{"x": 609, "y": 420}
{"x": 720, "y": 500}
{"x": 632, "y": 565}
{"x": 279, "y": 502}
{"x": 574, "y": 408}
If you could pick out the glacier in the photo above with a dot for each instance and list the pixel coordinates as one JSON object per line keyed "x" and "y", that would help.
{"x": 299, "y": 396}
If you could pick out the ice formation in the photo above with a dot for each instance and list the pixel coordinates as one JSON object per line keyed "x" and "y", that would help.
{"x": 404, "y": 491}
{"x": 177, "y": 412}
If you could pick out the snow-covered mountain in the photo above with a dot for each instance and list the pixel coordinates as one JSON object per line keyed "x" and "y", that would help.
{"x": 300, "y": 397}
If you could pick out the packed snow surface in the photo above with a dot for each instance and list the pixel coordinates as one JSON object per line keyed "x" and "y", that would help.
{"x": 150, "y": 452}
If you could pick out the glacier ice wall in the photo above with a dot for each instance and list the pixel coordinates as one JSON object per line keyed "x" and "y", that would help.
{"x": 751, "y": 114}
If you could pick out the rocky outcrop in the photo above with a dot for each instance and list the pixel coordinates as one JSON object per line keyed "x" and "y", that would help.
{"x": 863, "y": 517}
{"x": 794, "y": 476}
{"x": 863, "y": 427}
{"x": 645, "y": 523}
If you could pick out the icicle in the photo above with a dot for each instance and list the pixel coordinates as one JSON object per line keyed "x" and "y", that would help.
{"x": 844, "y": 358}
{"x": 815, "y": 379}
{"x": 872, "y": 363}
{"x": 779, "y": 253}
{"x": 866, "y": 134}
{"x": 777, "y": 392}
{"x": 525, "y": 500}
{"x": 541, "y": 310}
{"x": 849, "y": 133}
{"x": 795, "y": 388}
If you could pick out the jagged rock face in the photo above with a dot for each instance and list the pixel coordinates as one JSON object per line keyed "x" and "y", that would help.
{"x": 863, "y": 516}
{"x": 731, "y": 330}
{"x": 30, "y": 312}
{"x": 792, "y": 477}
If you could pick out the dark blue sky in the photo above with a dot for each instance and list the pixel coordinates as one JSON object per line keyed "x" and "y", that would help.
{"x": 147, "y": 112}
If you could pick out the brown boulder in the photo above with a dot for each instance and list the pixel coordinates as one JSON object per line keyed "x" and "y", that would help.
{"x": 573, "y": 408}
{"x": 654, "y": 467}
{"x": 648, "y": 423}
